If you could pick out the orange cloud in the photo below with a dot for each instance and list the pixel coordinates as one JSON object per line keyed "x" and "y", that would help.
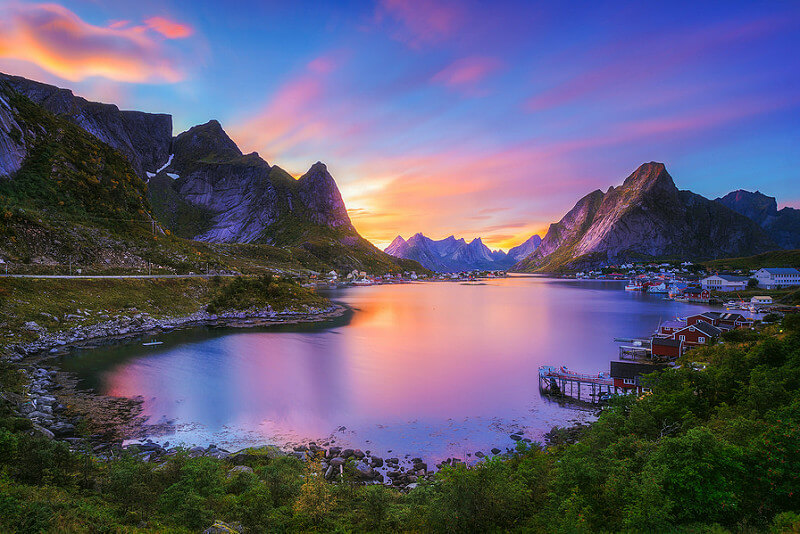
{"x": 168, "y": 28}
{"x": 60, "y": 42}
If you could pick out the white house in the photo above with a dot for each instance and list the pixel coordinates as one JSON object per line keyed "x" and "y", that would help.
{"x": 724, "y": 282}
{"x": 777, "y": 277}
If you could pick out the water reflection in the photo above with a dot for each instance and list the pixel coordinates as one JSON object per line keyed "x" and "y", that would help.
{"x": 437, "y": 368}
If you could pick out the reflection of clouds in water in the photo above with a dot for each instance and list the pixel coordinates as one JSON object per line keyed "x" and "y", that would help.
{"x": 422, "y": 368}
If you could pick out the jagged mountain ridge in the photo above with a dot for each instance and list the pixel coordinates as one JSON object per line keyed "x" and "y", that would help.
{"x": 144, "y": 138}
{"x": 454, "y": 255}
{"x": 249, "y": 200}
{"x": 783, "y": 226}
{"x": 199, "y": 183}
{"x": 647, "y": 217}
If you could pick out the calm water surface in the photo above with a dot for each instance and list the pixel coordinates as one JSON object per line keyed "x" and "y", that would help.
{"x": 437, "y": 369}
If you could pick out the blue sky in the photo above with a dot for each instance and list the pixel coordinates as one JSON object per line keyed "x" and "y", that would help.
{"x": 466, "y": 118}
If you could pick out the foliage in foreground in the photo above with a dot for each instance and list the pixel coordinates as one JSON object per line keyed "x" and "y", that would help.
{"x": 708, "y": 451}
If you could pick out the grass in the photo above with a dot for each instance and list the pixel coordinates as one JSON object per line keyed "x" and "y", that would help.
{"x": 776, "y": 258}
{"x": 59, "y": 305}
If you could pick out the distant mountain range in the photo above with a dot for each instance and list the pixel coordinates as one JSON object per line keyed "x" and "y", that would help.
{"x": 782, "y": 226}
{"x": 455, "y": 255}
{"x": 65, "y": 157}
{"x": 645, "y": 218}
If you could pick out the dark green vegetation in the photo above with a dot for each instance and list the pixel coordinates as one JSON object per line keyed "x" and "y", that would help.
{"x": 711, "y": 450}
{"x": 265, "y": 290}
{"x": 777, "y": 258}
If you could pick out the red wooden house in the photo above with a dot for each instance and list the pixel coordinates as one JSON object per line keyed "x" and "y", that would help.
{"x": 666, "y": 348}
{"x": 627, "y": 375}
{"x": 697, "y": 334}
{"x": 667, "y": 328}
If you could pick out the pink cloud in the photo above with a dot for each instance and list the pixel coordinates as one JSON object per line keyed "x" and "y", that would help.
{"x": 420, "y": 22}
{"x": 60, "y": 42}
{"x": 466, "y": 73}
{"x": 169, "y": 28}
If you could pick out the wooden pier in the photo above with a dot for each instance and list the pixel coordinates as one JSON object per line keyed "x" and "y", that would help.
{"x": 562, "y": 381}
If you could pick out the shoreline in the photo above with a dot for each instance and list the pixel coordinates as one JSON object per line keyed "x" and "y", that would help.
{"x": 55, "y": 404}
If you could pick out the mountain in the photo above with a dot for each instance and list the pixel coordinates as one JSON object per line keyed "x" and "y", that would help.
{"x": 647, "y": 217}
{"x": 94, "y": 178}
{"x": 454, "y": 255}
{"x": 144, "y": 138}
{"x": 525, "y": 249}
{"x": 782, "y": 226}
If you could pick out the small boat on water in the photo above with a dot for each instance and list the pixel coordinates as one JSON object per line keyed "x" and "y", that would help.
{"x": 634, "y": 286}
{"x": 151, "y": 343}
{"x": 660, "y": 288}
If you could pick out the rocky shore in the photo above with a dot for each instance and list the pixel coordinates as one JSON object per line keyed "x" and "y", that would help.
{"x": 105, "y": 329}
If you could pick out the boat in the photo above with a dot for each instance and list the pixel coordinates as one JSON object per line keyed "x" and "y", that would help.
{"x": 660, "y": 288}
{"x": 634, "y": 286}
{"x": 152, "y": 343}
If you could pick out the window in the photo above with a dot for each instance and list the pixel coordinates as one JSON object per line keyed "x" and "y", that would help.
{"x": 683, "y": 338}
{"x": 628, "y": 381}
{"x": 701, "y": 339}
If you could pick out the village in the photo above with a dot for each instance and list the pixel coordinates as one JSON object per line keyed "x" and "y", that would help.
{"x": 674, "y": 338}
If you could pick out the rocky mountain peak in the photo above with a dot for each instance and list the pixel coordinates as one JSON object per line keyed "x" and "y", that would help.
{"x": 206, "y": 141}
{"x": 756, "y": 206}
{"x": 144, "y": 138}
{"x": 319, "y": 193}
{"x": 649, "y": 176}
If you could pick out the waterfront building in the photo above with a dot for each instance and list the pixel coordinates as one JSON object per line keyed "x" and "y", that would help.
{"x": 724, "y": 282}
{"x": 777, "y": 277}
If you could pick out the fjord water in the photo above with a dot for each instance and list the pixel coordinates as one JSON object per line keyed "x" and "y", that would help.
{"x": 433, "y": 369}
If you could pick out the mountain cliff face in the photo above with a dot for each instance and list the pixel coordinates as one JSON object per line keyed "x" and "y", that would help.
{"x": 249, "y": 201}
{"x": 645, "y": 218}
{"x": 144, "y": 138}
{"x": 782, "y": 226}
{"x": 525, "y": 249}
{"x": 454, "y": 255}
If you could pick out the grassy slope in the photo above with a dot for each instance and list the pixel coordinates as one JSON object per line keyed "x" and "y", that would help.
{"x": 58, "y": 305}
{"x": 777, "y": 258}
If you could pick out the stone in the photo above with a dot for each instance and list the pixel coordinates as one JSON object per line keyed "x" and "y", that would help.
{"x": 376, "y": 461}
{"x": 365, "y": 471}
{"x": 515, "y": 437}
{"x": 220, "y": 527}
{"x": 358, "y": 453}
{"x": 495, "y": 450}
{"x": 337, "y": 461}
{"x": 235, "y": 470}
{"x": 479, "y": 454}
{"x": 347, "y": 453}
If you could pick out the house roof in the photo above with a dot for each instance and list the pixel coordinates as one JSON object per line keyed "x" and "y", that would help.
{"x": 712, "y": 314}
{"x": 708, "y": 329}
{"x": 781, "y": 270}
{"x": 673, "y": 324}
{"x": 692, "y": 290}
{"x": 633, "y": 369}
{"x": 731, "y": 316}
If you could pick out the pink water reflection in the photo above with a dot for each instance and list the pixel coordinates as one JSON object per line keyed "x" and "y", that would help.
{"x": 436, "y": 368}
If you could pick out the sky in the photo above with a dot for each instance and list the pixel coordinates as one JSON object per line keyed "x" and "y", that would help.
{"x": 478, "y": 119}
